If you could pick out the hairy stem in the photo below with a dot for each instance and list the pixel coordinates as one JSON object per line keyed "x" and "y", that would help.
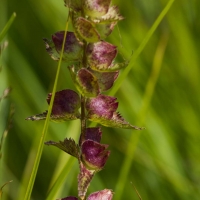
{"x": 83, "y": 121}
{"x": 83, "y": 99}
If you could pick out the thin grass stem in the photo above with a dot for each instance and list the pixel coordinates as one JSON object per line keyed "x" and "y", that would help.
{"x": 7, "y": 26}
{"x": 133, "y": 141}
{"x": 44, "y": 132}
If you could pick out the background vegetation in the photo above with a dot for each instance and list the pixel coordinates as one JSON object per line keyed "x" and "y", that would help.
{"x": 161, "y": 93}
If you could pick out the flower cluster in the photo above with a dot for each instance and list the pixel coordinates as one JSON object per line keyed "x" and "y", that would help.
{"x": 90, "y": 61}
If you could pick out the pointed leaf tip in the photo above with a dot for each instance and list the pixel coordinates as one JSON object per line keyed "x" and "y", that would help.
{"x": 68, "y": 145}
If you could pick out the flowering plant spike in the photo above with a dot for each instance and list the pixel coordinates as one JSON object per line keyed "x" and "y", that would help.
{"x": 91, "y": 64}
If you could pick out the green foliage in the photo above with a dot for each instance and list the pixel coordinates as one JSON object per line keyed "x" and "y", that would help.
{"x": 165, "y": 76}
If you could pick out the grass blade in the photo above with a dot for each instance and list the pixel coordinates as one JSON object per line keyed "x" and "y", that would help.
{"x": 140, "y": 48}
{"x": 62, "y": 177}
{"x": 7, "y": 26}
{"x": 133, "y": 141}
{"x": 44, "y": 132}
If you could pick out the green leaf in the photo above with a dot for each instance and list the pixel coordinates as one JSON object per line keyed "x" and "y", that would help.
{"x": 7, "y": 26}
{"x": 68, "y": 145}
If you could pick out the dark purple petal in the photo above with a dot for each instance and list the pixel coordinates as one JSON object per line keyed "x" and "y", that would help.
{"x": 72, "y": 49}
{"x": 65, "y": 101}
{"x": 101, "y": 195}
{"x": 100, "y": 55}
{"x": 65, "y": 107}
{"x": 96, "y": 8}
{"x": 105, "y": 79}
{"x": 86, "y": 30}
{"x": 102, "y": 106}
{"x": 93, "y": 133}
{"x": 94, "y": 154}
{"x": 102, "y": 109}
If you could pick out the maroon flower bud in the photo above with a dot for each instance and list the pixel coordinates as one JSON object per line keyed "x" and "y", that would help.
{"x": 94, "y": 154}
{"x": 93, "y": 133}
{"x": 102, "y": 109}
{"x": 65, "y": 106}
{"x": 72, "y": 49}
{"x": 101, "y": 195}
{"x": 100, "y": 55}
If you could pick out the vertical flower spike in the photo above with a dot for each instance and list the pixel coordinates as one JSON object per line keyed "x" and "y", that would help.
{"x": 101, "y": 195}
{"x": 96, "y": 8}
{"x": 86, "y": 30}
{"x": 73, "y": 48}
{"x": 100, "y": 55}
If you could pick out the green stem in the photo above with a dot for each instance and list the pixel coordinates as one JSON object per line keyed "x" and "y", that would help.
{"x": 83, "y": 99}
{"x": 83, "y": 121}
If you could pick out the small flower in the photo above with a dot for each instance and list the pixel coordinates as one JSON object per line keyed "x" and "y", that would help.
{"x": 94, "y": 154}
{"x": 72, "y": 49}
{"x": 103, "y": 109}
{"x": 65, "y": 106}
{"x": 105, "y": 194}
{"x": 100, "y": 55}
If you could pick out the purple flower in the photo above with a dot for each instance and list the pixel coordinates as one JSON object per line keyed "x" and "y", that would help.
{"x": 72, "y": 49}
{"x": 101, "y": 195}
{"x": 65, "y": 106}
{"x": 94, "y": 154}
{"x": 100, "y": 55}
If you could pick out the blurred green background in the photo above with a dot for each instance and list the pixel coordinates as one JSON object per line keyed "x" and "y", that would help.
{"x": 161, "y": 93}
